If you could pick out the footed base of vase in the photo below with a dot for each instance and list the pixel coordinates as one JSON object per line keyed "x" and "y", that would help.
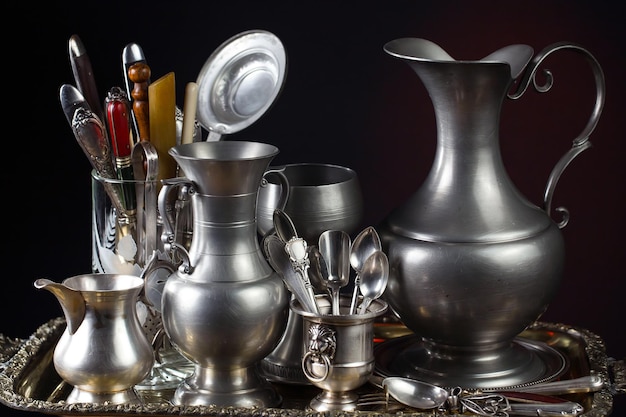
{"x": 242, "y": 387}
{"x": 284, "y": 364}
{"x": 334, "y": 401}
{"x": 128, "y": 396}
{"x": 521, "y": 363}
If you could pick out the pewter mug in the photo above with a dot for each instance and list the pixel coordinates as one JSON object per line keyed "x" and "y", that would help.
{"x": 225, "y": 308}
{"x": 103, "y": 351}
{"x": 473, "y": 262}
{"x": 321, "y": 197}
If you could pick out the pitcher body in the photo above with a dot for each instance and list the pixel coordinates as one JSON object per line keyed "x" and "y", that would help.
{"x": 473, "y": 262}
{"x": 103, "y": 351}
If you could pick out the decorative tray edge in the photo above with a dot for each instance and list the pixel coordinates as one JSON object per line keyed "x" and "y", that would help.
{"x": 15, "y": 355}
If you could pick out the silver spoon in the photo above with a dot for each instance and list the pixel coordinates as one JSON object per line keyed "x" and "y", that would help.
{"x": 365, "y": 243}
{"x": 374, "y": 277}
{"x": 415, "y": 393}
{"x": 422, "y": 395}
{"x": 295, "y": 246}
{"x": 334, "y": 245}
{"x": 279, "y": 259}
{"x": 317, "y": 270}
{"x": 285, "y": 229}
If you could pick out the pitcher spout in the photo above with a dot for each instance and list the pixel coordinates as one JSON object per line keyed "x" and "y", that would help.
{"x": 72, "y": 302}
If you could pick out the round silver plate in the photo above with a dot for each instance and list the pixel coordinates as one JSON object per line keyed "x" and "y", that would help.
{"x": 240, "y": 81}
{"x": 526, "y": 362}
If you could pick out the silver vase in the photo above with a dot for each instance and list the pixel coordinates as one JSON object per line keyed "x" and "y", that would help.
{"x": 225, "y": 308}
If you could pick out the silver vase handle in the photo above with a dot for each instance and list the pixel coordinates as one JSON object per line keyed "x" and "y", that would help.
{"x": 174, "y": 249}
{"x": 581, "y": 142}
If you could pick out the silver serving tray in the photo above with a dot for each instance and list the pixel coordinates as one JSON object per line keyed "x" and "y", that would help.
{"x": 29, "y": 382}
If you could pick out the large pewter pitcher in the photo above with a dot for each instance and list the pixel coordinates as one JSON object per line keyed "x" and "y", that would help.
{"x": 225, "y": 308}
{"x": 103, "y": 352}
{"x": 472, "y": 261}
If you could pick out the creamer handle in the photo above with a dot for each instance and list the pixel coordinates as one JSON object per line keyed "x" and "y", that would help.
{"x": 581, "y": 142}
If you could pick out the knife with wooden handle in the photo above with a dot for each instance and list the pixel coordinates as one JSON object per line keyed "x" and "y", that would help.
{"x": 139, "y": 74}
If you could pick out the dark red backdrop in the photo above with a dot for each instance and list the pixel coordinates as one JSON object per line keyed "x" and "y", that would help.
{"x": 344, "y": 101}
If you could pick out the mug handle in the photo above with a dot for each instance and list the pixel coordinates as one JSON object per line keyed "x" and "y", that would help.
{"x": 284, "y": 191}
{"x": 284, "y": 185}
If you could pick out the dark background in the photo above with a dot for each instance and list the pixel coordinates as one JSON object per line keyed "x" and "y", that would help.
{"x": 344, "y": 101}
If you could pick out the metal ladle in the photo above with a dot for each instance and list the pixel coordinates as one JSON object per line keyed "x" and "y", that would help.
{"x": 239, "y": 82}
{"x": 374, "y": 277}
{"x": 365, "y": 244}
{"x": 334, "y": 245}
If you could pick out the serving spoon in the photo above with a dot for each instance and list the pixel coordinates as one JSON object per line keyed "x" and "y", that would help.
{"x": 422, "y": 395}
{"x": 334, "y": 245}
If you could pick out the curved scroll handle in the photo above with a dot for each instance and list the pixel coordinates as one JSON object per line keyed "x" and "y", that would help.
{"x": 581, "y": 142}
{"x": 168, "y": 236}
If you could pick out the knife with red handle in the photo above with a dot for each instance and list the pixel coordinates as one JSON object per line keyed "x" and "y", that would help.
{"x": 119, "y": 126}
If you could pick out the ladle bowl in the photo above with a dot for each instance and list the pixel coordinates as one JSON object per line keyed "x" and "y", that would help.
{"x": 239, "y": 82}
{"x": 365, "y": 244}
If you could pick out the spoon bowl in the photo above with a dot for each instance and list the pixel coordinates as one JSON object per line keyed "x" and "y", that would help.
{"x": 317, "y": 270}
{"x": 334, "y": 245}
{"x": 285, "y": 229}
{"x": 365, "y": 244}
{"x": 415, "y": 393}
{"x": 374, "y": 277}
